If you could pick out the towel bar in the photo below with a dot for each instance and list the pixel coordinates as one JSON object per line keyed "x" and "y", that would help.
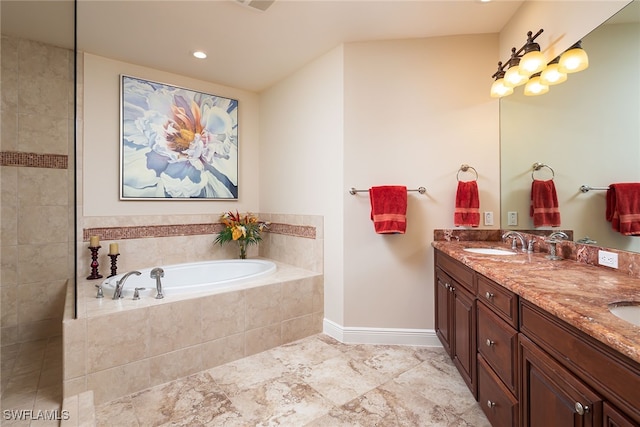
{"x": 587, "y": 188}
{"x": 353, "y": 191}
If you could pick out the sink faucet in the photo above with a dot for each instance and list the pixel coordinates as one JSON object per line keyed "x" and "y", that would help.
{"x": 157, "y": 273}
{"x": 553, "y": 239}
{"x": 117, "y": 293}
{"x": 515, "y": 235}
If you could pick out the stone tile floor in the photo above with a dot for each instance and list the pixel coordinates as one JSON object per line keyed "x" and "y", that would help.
{"x": 31, "y": 379}
{"x": 316, "y": 381}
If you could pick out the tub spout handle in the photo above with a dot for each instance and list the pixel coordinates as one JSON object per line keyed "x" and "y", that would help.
{"x": 117, "y": 293}
{"x": 157, "y": 273}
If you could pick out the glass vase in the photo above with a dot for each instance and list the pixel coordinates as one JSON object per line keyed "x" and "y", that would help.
{"x": 243, "y": 249}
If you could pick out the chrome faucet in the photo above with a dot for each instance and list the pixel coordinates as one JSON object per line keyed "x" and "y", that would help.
{"x": 553, "y": 240}
{"x": 515, "y": 235}
{"x": 117, "y": 293}
{"x": 157, "y": 273}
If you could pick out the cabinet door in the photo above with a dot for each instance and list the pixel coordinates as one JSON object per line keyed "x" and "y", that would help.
{"x": 550, "y": 395}
{"x": 614, "y": 418}
{"x": 464, "y": 336}
{"x": 443, "y": 300}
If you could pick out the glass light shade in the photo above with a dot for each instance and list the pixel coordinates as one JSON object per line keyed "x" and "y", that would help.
{"x": 552, "y": 75}
{"x": 513, "y": 78}
{"x": 535, "y": 87}
{"x": 573, "y": 60}
{"x": 532, "y": 62}
{"x": 499, "y": 89}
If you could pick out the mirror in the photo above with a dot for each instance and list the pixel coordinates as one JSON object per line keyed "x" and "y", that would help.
{"x": 585, "y": 129}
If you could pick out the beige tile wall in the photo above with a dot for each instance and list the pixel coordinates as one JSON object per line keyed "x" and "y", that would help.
{"x": 36, "y": 203}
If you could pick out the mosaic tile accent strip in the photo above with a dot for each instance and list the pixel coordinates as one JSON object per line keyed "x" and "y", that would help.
{"x": 305, "y": 231}
{"x": 148, "y": 231}
{"x": 34, "y": 160}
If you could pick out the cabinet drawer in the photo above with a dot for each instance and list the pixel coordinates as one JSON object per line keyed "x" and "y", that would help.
{"x": 500, "y": 300}
{"x": 460, "y": 272}
{"x": 498, "y": 344}
{"x": 497, "y": 403}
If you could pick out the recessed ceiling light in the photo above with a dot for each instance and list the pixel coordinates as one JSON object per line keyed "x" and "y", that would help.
{"x": 199, "y": 54}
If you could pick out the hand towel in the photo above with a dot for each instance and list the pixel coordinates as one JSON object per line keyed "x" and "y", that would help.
{"x": 544, "y": 204}
{"x": 623, "y": 208}
{"x": 467, "y": 212}
{"x": 389, "y": 209}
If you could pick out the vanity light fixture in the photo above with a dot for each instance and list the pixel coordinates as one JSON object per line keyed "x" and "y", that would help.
{"x": 199, "y": 54}
{"x": 499, "y": 88}
{"x": 533, "y": 61}
{"x": 527, "y": 65}
{"x": 573, "y": 59}
{"x": 552, "y": 74}
{"x": 535, "y": 86}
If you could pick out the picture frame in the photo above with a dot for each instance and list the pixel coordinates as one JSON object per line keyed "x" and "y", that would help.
{"x": 176, "y": 143}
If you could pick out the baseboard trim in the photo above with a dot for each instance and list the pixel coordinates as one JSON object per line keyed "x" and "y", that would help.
{"x": 391, "y": 336}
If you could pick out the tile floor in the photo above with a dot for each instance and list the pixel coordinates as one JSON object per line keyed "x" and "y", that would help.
{"x": 31, "y": 379}
{"x": 316, "y": 381}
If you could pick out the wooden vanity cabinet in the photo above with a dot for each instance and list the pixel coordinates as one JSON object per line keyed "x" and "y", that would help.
{"x": 455, "y": 307}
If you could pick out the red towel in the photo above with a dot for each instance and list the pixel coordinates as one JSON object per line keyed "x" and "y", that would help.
{"x": 623, "y": 208}
{"x": 389, "y": 209}
{"x": 544, "y": 204}
{"x": 467, "y": 211}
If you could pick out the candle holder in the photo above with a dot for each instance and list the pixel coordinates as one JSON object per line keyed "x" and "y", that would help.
{"x": 94, "y": 263}
{"x": 114, "y": 266}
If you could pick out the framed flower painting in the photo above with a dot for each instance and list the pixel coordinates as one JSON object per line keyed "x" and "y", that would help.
{"x": 176, "y": 143}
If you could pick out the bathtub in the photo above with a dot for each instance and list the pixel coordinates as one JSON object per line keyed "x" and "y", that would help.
{"x": 193, "y": 277}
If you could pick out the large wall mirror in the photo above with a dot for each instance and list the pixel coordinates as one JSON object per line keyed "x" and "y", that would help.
{"x": 587, "y": 130}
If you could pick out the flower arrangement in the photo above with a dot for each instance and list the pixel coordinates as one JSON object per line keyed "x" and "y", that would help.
{"x": 242, "y": 229}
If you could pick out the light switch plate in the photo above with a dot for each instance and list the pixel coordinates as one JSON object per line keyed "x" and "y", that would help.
{"x": 512, "y": 218}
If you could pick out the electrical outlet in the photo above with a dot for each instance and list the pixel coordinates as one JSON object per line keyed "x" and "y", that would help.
{"x": 512, "y": 218}
{"x": 488, "y": 218}
{"x": 608, "y": 259}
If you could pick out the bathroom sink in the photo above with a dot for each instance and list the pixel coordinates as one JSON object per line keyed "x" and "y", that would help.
{"x": 626, "y": 310}
{"x": 490, "y": 251}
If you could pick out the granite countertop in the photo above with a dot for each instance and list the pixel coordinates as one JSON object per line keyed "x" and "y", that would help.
{"x": 575, "y": 292}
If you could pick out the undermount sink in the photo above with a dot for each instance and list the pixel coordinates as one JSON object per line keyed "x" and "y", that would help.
{"x": 626, "y": 310}
{"x": 490, "y": 251}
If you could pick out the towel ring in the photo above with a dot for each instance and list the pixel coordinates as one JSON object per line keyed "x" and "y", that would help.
{"x": 537, "y": 166}
{"x": 465, "y": 168}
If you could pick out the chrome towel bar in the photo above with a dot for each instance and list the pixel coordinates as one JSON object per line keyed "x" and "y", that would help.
{"x": 353, "y": 191}
{"x": 587, "y": 188}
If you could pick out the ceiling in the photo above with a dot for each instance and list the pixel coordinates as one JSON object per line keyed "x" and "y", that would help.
{"x": 247, "y": 48}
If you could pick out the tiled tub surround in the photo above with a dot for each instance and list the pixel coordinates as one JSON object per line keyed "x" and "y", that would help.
{"x": 118, "y": 347}
{"x": 575, "y": 292}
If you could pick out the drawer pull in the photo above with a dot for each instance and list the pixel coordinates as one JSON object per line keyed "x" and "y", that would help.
{"x": 489, "y": 342}
{"x": 489, "y": 295}
{"x": 490, "y": 404}
{"x": 580, "y": 409}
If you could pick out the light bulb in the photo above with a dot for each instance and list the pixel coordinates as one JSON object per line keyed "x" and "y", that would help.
{"x": 535, "y": 87}
{"x": 573, "y": 60}
{"x": 552, "y": 75}
{"x": 513, "y": 78}
{"x": 499, "y": 89}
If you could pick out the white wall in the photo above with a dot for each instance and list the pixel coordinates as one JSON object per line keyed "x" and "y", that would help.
{"x": 101, "y": 149}
{"x": 415, "y": 111}
{"x": 301, "y": 158}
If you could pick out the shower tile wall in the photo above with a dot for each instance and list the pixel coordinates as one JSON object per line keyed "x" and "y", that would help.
{"x": 36, "y": 195}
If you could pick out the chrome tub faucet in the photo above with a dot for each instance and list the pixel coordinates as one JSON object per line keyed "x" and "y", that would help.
{"x": 117, "y": 293}
{"x": 157, "y": 273}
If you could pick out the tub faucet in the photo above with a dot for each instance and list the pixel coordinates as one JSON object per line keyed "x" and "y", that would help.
{"x": 157, "y": 273}
{"x": 117, "y": 293}
{"x": 515, "y": 235}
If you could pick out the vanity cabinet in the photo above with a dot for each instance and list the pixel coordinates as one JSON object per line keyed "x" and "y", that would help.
{"x": 455, "y": 306}
{"x": 525, "y": 366}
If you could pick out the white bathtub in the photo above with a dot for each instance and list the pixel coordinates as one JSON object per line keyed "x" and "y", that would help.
{"x": 193, "y": 277}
